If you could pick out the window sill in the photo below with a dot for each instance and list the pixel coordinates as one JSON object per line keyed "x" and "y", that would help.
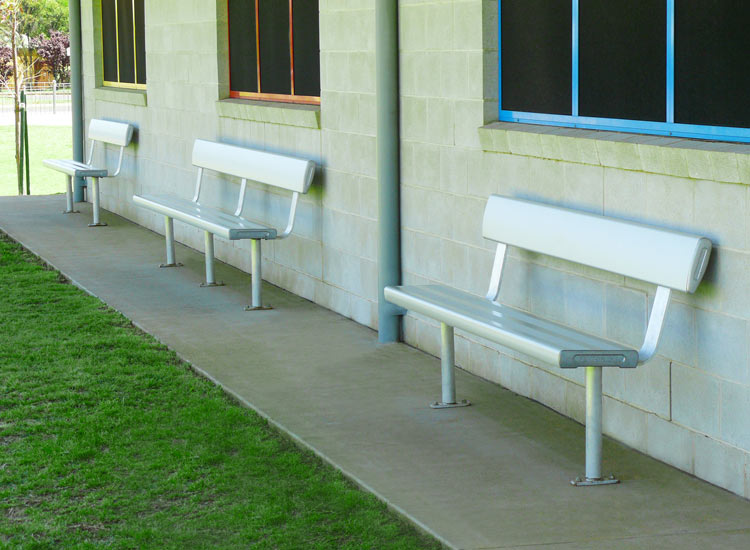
{"x": 287, "y": 114}
{"x": 688, "y": 158}
{"x": 121, "y": 95}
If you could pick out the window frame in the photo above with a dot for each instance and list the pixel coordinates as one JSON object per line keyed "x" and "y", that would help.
{"x": 281, "y": 98}
{"x": 118, "y": 84}
{"x": 667, "y": 128}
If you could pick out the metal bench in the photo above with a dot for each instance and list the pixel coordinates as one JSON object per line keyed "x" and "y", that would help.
{"x": 669, "y": 259}
{"x": 292, "y": 174}
{"x": 104, "y": 131}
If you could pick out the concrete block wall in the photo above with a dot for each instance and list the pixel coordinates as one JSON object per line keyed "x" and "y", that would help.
{"x": 688, "y": 407}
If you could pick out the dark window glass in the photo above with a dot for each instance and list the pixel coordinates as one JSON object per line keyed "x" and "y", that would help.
{"x": 306, "y": 48}
{"x": 275, "y": 62}
{"x": 109, "y": 40}
{"x": 242, "y": 53}
{"x": 537, "y": 56}
{"x": 712, "y": 62}
{"x": 125, "y": 43}
{"x": 622, "y": 59}
{"x": 140, "y": 42}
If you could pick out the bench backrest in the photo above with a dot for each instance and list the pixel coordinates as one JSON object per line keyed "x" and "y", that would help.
{"x": 282, "y": 171}
{"x": 116, "y": 133}
{"x": 659, "y": 256}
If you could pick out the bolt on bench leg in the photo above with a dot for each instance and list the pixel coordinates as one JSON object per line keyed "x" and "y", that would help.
{"x": 96, "y": 222}
{"x": 256, "y": 302}
{"x": 169, "y": 235}
{"x": 210, "y": 278}
{"x": 594, "y": 432}
{"x": 69, "y": 197}
{"x": 448, "y": 361}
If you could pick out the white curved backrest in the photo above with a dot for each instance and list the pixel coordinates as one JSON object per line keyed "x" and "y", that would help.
{"x": 282, "y": 171}
{"x": 663, "y": 257}
{"x": 116, "y": 133}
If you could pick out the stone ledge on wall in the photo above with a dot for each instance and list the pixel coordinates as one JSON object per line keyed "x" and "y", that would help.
{"x": 686, "y": 158}
{"x": 121, "y": 95}
{"x": 286, "y": 114}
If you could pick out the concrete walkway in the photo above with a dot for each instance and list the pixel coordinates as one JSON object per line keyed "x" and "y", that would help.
{"x": 494, "y": 475}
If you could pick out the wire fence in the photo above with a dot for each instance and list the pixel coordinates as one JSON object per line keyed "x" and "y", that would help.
{"x": 40, "y": 98}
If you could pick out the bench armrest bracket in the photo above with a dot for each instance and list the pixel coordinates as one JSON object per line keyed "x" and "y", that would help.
{"x": 90, "y": 157}
{"x": 292, "y": 215}
{"x": 497, "y": 272}
{"x": 198, "y": 181}
{"x": 655, "y": 324}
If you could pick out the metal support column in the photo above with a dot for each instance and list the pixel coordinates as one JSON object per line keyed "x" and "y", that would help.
{"x": 594, "y": 432}
{"x": 388, "y": 168}
{"x": 209, "y": 254}
{"x": 76, "y": 86}
{"x": 169, "y": 236}
{"x": 256, "y": 301}
{"x": 95, "y": 194}
{"x": 70, "y": 209}
{"x": 448, "y": 363}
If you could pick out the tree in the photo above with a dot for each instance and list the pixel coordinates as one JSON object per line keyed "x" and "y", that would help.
{"x": 40, "y": 17}
{"x": 54, "y": 52}
{"x": 10, "y": 14}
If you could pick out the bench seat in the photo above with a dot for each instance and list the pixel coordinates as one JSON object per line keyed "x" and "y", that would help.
{"x": 76, "y": 169}
{"x": 209, "y": 219}
{"x": 544, "y": 340}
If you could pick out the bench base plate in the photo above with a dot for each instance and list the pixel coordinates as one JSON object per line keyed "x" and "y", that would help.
{"x": 100, "y": 224}
{"x": 208, "y": 285}
{"x": 257, "y": 308}
{"x": 176, "y": 264}
{"x": 586, "y": 482}
{"x": 71, "y": 211}
{"x": 441, "y": 405}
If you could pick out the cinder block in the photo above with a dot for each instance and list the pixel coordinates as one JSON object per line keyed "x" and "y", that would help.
{"x": 695, "y": 399}
{"x": 722, "y": 346}
{"x": 625, "y": 423}
{"x": 721, "y": 213}
{"x": 735, "y": 412}
{"x": 670, "y": 443}
{"x": 719, "y": 463}
{"x": 625, "y": 315}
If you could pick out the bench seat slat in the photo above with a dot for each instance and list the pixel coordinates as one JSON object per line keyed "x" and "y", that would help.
{"x": 76, "y": 169}
{"x": 544, "y": 340}
{"x": 210, "y": 219}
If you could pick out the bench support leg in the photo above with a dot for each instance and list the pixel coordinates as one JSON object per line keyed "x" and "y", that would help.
{"x": 169, "y": 235}
{"x": 96, "y": 222}
{"x": 448, "y": 362}
{"x": 256, "y": 302}
{"x": 594, "y": 432}
{"x": 210, "y": 278}
{"x": 69, "y": 197}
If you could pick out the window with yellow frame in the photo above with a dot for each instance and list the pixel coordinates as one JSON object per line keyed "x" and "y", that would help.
{"x": 123, "y": 44}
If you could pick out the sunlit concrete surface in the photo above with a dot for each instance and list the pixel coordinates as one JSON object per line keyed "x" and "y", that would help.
{"x": 493, "y": 475}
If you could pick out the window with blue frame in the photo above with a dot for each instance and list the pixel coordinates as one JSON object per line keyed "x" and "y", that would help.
{"x": 669, "y": 67}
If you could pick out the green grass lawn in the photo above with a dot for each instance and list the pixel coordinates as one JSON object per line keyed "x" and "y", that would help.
{"x": 107, "y": 439}
{"x": 45, "y": 142}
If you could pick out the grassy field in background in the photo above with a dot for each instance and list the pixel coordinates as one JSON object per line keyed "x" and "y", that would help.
{"x": 107, "y": 439}
{"x": 45, "y": 142}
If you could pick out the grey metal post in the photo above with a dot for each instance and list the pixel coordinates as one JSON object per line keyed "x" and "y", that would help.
{"x": 169, "y": 234}
{"x": 76, "y": 89}
{"x": 388, "y": 168}
{"x": 210, "y": 279}
{"x": 594, "y": 422}
{"x": 447, "y": 364}
{"x": 95, "y": 193}
{"x": 257, "y": 277}
{"x": 594, "y": 431}
{"x": 70, "y": 209}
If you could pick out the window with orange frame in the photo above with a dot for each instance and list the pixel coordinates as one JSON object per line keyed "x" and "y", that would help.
{"x": 274, "y": 51}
